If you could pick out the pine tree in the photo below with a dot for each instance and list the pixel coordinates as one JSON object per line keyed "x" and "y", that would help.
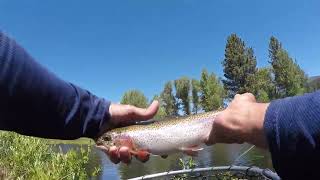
{"x": 289, "y": 78}
{"x": 195, "y": 95}
{"x": 274, "y": 47}
{"x": 169, "y": 101}
{"x": 239, "y": 65}
{"x": 182, "y": 86}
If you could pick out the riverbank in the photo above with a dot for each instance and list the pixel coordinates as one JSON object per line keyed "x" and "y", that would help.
{"x": 25, "y": 157}
{"x": 80, "y": 141}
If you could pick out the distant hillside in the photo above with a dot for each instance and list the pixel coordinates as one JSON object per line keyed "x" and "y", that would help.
{"x": 314, "y": 78}
{"x": 314, "y": 83}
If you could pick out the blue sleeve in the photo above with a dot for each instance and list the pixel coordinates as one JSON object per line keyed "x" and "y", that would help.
{"x": 292, "y": 127}
{"x": 33, "y": 101}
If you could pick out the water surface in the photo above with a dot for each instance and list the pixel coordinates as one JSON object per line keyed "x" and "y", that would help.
{"x": 217, "y": 155}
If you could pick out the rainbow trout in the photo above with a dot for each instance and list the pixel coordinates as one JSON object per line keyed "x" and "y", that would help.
{"x": 184, "y": 134}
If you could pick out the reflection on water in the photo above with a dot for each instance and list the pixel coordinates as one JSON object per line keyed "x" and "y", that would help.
{"x": 217, "y": 155}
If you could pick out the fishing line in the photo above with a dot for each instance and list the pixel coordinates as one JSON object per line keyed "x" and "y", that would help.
{"x": 244, "y": 153}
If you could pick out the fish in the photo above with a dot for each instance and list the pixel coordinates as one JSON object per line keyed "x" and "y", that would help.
{"x": 184, "y": 134}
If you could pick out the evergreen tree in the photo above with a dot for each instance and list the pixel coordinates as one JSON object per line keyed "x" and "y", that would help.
{"x": 195, "y": 95}
{"x": 239, "y": 66}
{"x": 168, "y": 100}
{"x": 182, "y": 86}
{"x": 289, "y": 78}
{"x": 274, "y": 47}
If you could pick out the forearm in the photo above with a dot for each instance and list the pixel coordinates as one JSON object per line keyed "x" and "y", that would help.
{"x": 36, "y": 102}
{"x": 292, "y": 127}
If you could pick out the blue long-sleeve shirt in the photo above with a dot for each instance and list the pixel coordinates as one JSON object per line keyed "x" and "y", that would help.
{"x": 33, "y": 101}
{"x": 292, "y": 127}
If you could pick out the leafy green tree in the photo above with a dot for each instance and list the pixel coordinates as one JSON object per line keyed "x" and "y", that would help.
{"x": 161, "y": 111}
{"x": 289, "y": 78}
{"x": 211, "y": 91}
{"x": 239, "y": 66}
{"x": 195, "y": 95}
{"x": 168, "y": 100}
{"x": 134, "y": 97}
{"x": 262, "y": 84}
{"x": 182, "y": 86}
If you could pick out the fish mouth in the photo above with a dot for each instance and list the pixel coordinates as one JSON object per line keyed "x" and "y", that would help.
{"x": 99, "y": 143}
{"x": 105, "y": 145}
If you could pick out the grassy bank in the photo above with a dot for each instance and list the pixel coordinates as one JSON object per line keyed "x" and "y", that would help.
{"x": 32, "y": 158}
{"x": 80, "y": 141}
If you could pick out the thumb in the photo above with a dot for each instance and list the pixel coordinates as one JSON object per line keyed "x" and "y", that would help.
{"x": 127, "y": 114}
{"x": 144, "y": 114}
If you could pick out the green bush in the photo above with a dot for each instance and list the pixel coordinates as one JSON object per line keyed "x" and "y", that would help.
{"x": 25, "y": 157}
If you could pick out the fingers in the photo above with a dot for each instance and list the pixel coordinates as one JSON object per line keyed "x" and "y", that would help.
{"x": 213, "y": 138}
{"x": 249, "y": 96}
{"x": 237, "y": 96}
{"x": 246, "y": 96}
{"x": 124, "y": 115}
{"x": 123, "y": 154}
{"x": 112, "y": 152}
{"x": 143, "y": 156}
{"x": 114, "y": 155}
{"x": 224, "y": 129}
{"x": 232, "y": 124}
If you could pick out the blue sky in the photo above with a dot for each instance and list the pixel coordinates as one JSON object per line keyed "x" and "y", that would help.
{"x": 109, "y": 47}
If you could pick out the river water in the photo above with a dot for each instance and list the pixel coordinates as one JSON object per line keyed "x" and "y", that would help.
{"x": 217, "y": 155}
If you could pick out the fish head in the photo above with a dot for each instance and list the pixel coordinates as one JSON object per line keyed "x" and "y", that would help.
{"x": 105, "y": 140}
{"x": 116, "y": 139}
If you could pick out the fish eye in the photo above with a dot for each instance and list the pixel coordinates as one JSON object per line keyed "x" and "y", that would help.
{"x": 106, "y": 138}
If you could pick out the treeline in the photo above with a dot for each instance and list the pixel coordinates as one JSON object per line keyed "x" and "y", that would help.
{"x": 184, "y": 96}
{"x": 314, "y": 83}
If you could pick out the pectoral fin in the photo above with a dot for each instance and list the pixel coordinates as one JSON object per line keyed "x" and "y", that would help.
{"x": 191, "y": 151}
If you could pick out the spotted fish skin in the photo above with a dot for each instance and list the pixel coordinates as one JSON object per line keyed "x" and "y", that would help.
{"x": 163, "y": 137}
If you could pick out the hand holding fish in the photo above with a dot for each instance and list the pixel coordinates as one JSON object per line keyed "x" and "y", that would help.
{"x": 176, "y": 134}
{"x": 242, "y": 121}
{"x": 121, "y": 115}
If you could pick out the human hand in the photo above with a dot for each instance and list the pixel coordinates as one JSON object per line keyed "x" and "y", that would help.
{"x": 123, "y": 115}
{"x": 242, "y": 121}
